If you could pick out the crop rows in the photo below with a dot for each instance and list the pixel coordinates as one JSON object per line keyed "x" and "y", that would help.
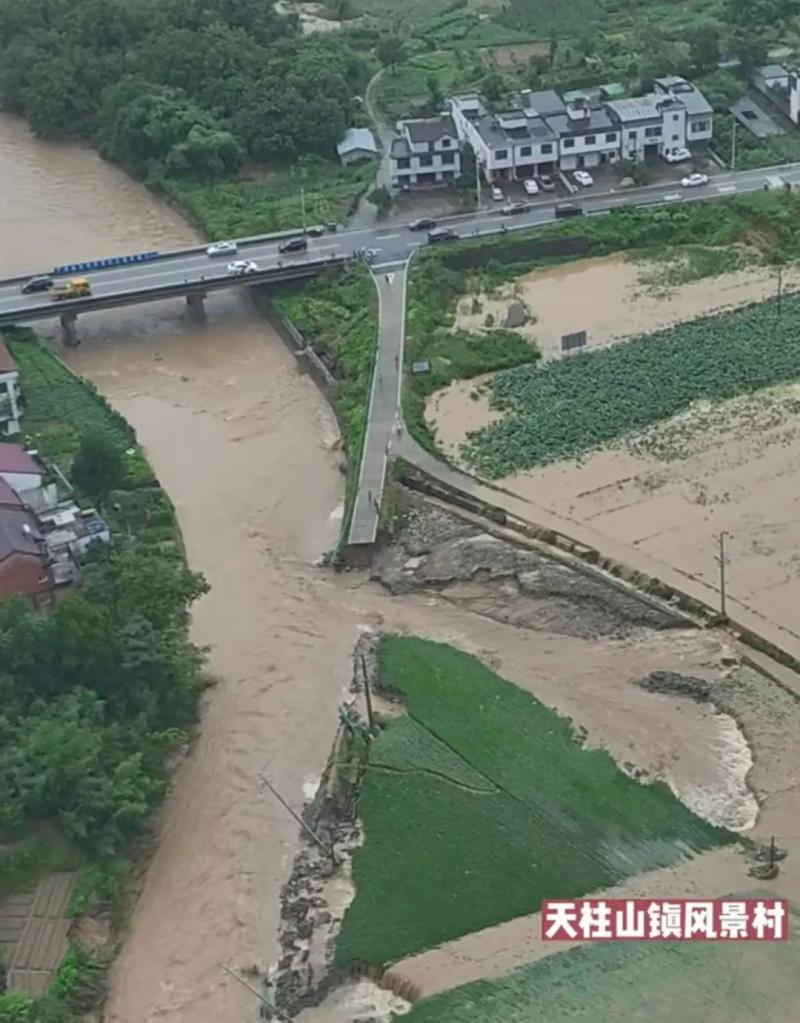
{"x": 566, "y": 409}
{"x": 494, "y": 809}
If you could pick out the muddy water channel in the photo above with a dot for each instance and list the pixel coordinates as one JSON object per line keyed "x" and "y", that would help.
{"x": 247, "y": 449}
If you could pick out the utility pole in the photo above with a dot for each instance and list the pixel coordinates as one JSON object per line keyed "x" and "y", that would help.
{"x": 733, "y": 145}
{"x": 721, "y": 561}
{"x": 367, "y": 694}
{"x": 326, "y": 849}
{"x": 303, "y": 206}
{"x": 478, "y": 180}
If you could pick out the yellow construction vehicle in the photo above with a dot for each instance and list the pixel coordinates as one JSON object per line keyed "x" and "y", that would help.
{"x": 76, "y": 287}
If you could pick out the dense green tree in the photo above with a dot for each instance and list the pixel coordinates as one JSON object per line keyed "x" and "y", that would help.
{"x": 493, "y": 85}
{"x": 391, "y": 51}
{"x": 704, "y": 47}
{"x": 435, "y": 93}
{"x": 97, "y": 468}
{"x": 381, "y": 198}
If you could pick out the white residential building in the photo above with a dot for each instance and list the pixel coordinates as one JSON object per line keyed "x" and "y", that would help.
{"x": 541, "y": 132}
{"x": 9, "y": 393}
{"x": 425, "y": 153}
{"x": 794, "y": 96}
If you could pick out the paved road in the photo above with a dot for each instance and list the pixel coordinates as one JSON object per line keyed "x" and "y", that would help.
{"x": 392, "y": 244}
{"x": 384, "y": 405}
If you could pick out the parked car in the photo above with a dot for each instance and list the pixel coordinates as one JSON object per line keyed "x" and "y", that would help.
{"x": 298, "y": 244}
{"x": 316, "y": 230}
{"x": 242, "y": 266}
{"x": 584, "y": 178}
{"x": 441, "y": 234}
{"x": 512, "y": 208}
{"x": 222, "y": 249}
{"x": 530, "y": 186}
{"x": 693, "y": 180}
{"x": 568, "y": 209}
{"x": 497, "y": 194}
{"x": 39, "y": 283}
{"x": 422, "y": 224}
{"x": 677, "y": 155}
{"x": 547, "y": 183}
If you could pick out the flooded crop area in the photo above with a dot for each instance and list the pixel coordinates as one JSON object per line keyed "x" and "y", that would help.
{"x": 249, "y": 453}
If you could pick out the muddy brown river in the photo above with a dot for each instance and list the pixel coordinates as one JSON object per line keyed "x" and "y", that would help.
{"x": 247, "y": 449}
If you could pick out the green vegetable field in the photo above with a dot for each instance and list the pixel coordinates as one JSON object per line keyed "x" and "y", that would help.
{"x": 481, "y": 803}
{"x": 691, "y": 982}
{"x": 566, "y": 409}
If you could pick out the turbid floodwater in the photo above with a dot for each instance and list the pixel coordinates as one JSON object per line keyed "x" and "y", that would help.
{"x": 248, "y": 451}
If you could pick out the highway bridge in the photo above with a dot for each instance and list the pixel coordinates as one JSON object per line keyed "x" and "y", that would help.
{"x": 193, "y": 273}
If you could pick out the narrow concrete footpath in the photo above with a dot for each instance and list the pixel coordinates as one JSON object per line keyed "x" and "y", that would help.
{"x": 384, "y": 404}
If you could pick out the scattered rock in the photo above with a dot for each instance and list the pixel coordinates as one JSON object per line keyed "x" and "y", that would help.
{"x": 627, "y": 183}
{"x": 489, "y": 320}
{"x": 477, "y": 306}
{"x": 516, "y": 316}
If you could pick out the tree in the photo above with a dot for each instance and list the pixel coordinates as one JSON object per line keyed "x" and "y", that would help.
{"x": 382, "y": 198}
{"x": 704, "y": 51}
{"x": 749, "y": 47}
{"x": 435, "y": 91}
{"x": 493, "y": 86}
{"x": 391, "y": 51}
{"x": 97, "y": 468}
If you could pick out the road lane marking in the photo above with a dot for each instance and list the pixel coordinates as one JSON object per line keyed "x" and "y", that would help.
{"x": 726, "y": 188}
{"x": 673, "y": 197}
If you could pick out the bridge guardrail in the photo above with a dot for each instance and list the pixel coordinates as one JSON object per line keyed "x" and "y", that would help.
{"x": 105, "y": 264}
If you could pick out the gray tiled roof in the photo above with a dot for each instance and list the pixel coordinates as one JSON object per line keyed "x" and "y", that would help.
{"x": 639, "y": 110}
{"x": 544, "y": 102}
{"x": 431, "y": 129}
{"x": 535, "y": 131}
{"x": 596, "y": 120}
{"x": 400, "y": 148}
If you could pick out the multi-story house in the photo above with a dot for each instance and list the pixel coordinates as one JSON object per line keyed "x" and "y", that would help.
{"x": 9, "y": 392}
{"x": 539, "y": 132}
{"x": 699, "y": 112}
{"x": 425, "y": 153}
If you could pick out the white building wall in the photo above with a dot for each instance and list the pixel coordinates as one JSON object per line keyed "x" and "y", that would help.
{"x": 794, "y": 97}
{"x": 695, "y": 133}
{"x": 21, "y": 481}
{"x": 9, "y": 402}
{"x": 673, "y": 131}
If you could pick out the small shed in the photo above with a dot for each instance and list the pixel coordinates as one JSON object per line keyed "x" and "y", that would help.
{"x": 357, "y": 144}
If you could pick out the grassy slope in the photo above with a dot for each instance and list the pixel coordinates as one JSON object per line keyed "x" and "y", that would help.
{"x": 531, "y": 816}
{"x": 660, "y": 983}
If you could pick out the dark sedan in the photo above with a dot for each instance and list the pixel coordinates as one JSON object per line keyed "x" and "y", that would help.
{"x": 422, "y": 224}
{"x": 40, "y": 283}
{"x": 512, "y": 208}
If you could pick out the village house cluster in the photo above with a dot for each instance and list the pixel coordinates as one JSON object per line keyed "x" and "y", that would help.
{"x": 545, "y": 132}
{"x": 44, "y": 534}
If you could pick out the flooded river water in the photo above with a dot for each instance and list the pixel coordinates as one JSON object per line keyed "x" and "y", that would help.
{"x": 247, "y": 450}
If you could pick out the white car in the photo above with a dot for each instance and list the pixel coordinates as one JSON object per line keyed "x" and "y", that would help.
{"x": 222, "y": 249}
{"x": 583, "y": 178}
{"x": 242, "y": 266}
{"x": 497, "y": 194}
{"x": 693, "y": 180}
{"x": 530, "y": 186}
{"x": 678, "y": 155}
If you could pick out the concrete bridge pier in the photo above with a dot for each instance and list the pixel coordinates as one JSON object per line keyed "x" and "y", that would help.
{"x": 69, "y": 330}
{"x": 196, "y": 304}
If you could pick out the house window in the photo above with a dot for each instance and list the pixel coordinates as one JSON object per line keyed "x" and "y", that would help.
{"x": 676, "y": 138}
{"x": 448, "y": 157}
{"x": 403, "y": 163}
{"x": 425, "y": 161}
{"x": 547, "y": 147}
{"x": 501, "y": 154}
{"x": 699, "y": 126}
{"x": 611, "y": 136}
{"x": 676, "y": 117}
{"x": 653, "y": 133}
{"x": 445, "y": 143}
{"x": 525, "y": 151}
{"x": 590, "y": 140}
{"x": 568, "y": 143}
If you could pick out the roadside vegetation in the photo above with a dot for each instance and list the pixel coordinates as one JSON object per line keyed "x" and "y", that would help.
{"x": 481, "y": 802}
{"x": 672, "y": 981}
{"x": 337, "y": 314}
{"x": 98, "y": 695}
